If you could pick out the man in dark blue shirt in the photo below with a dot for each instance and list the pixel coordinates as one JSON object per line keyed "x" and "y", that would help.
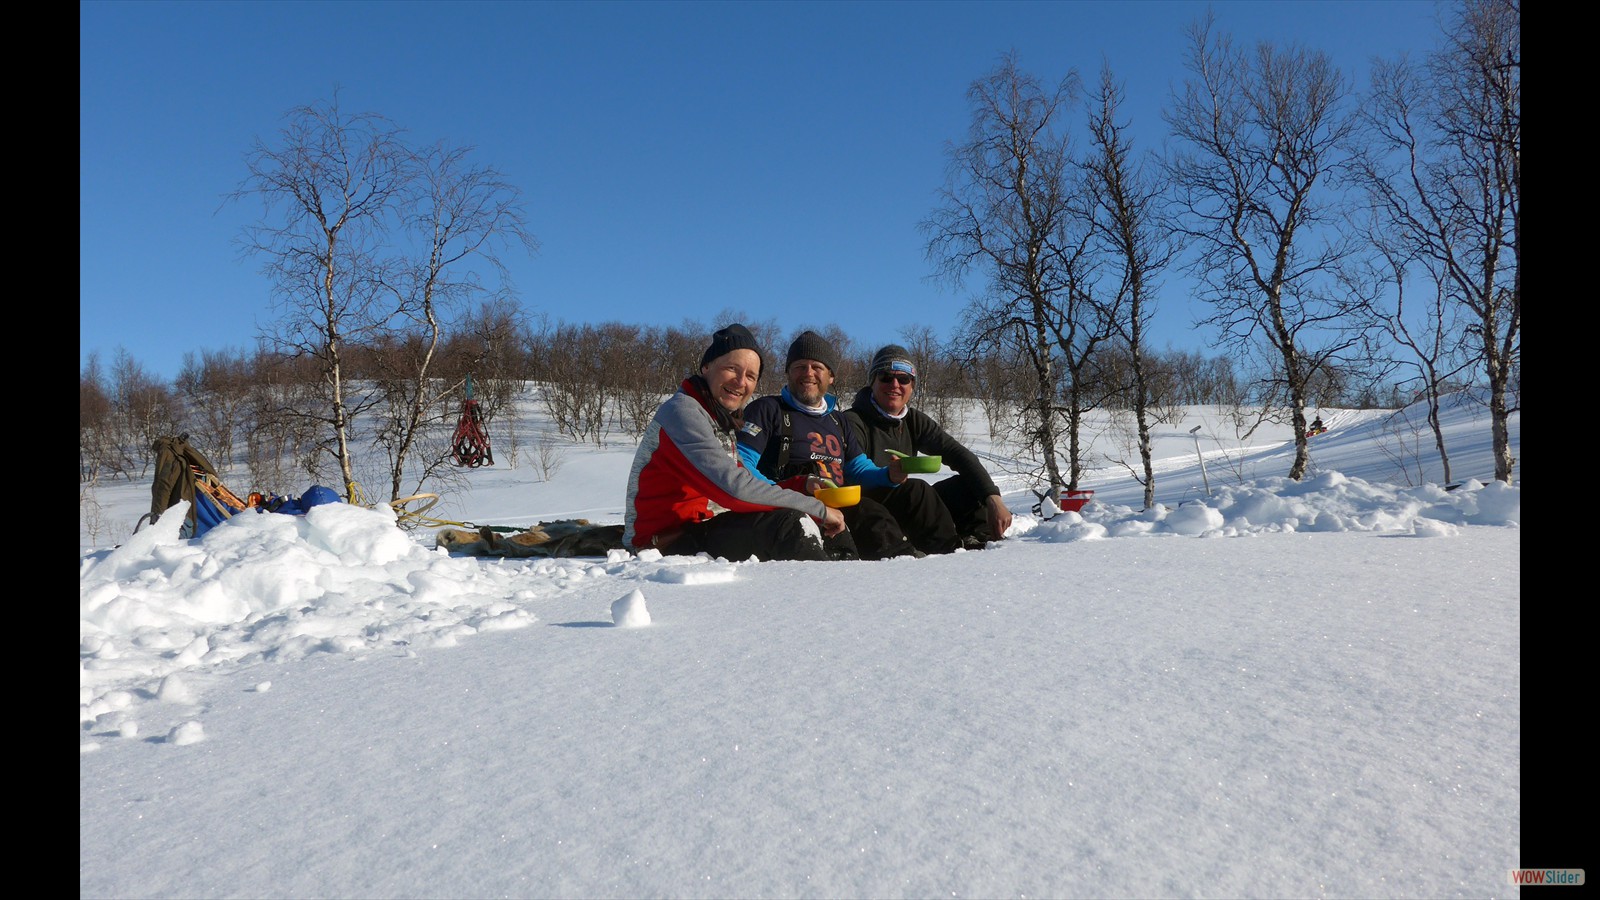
{"x": 797, "y": 438}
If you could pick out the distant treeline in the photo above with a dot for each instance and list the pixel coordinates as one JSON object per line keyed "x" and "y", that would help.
{"x": 261, "y": 409}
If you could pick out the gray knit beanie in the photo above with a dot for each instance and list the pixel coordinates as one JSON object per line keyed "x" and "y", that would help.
{"x": 810, "y": 345}
{"x": 733, "y": 337}
{"x": 892, "y": 358}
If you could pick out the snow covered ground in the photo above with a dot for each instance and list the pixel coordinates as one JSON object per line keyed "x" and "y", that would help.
{"x": 1261, "y": 688}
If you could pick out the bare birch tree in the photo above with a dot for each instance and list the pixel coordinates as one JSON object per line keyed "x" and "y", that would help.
{"x": 329, "y": 191}
{"x": 376, "y": 246}
{"x": 1430, "y": 331}
{"x": 457, "y": 218}
{"x": 1003, "y": 211}
{"x": 1445, "y": 174}
{"x": 1259, "y": 140}
{"x": 1125, "y": 218}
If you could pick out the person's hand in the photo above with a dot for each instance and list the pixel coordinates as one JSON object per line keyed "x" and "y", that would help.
{"x": 816, "y": 483}
{"x": 832, "y": 522}
{"x": 999, "y": 517}
{"x": 897, "y": 471}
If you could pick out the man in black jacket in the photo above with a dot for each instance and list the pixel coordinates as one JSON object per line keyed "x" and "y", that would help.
{"x": 883, "y": 420}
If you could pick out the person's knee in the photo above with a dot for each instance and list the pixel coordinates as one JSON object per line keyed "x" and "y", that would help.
{"x": 797, "y": 536}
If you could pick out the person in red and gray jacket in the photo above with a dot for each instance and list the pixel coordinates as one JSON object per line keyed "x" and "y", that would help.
{"x": 687, "y": 490}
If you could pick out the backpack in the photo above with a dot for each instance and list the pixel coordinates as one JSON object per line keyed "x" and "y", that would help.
{"x": 184, "y": 473}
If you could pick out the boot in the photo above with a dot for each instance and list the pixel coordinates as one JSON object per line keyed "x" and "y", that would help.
{"x": 841, "y": 546}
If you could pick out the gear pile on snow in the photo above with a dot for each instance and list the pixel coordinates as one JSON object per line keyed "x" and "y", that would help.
{"x": 184, "y": 473}
{"x": 556, "y": 540}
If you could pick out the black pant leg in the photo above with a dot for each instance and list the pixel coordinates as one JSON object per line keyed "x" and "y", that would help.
{"x": 877, "y": 534}
{"x": 922, "y": 515}
{"x": 968, "y": 508}
{"x": 776, "y": 534}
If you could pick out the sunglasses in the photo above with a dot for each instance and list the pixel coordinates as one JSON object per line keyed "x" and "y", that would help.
{"x": 885, "y": 378}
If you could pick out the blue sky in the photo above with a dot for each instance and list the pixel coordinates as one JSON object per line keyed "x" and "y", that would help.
{"x": 677, "y": 159}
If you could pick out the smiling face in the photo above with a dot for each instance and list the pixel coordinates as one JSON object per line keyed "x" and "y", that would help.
{"x": 892, "y": 391}
{"x": 809, "y": 381}
{"x": 732, "y": 377}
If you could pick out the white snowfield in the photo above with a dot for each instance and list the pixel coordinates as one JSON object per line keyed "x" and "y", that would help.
{"x": 1260, "y": 688}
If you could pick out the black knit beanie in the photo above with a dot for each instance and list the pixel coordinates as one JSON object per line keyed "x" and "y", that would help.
{"x": 892, "y": 358}
{"x": 733, "y": 337}
{"x": 810, "y": 345}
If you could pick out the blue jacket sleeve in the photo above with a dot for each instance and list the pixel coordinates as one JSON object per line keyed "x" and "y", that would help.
{"x": 759, "y": 420}
{"x": 860, "y": 470}
{"x": 750, "y": 456}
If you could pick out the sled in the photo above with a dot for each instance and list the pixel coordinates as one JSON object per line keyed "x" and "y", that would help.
{"x": 1075, "y": 501}
{"x": 550, "y": 540}
{"x": 469, "y": 446}
{"x": 1069, "y": 501}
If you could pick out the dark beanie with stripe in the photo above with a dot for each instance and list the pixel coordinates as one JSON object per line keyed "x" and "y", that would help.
{"x": 733, "y": 337}
{"x": 892, "y": 358}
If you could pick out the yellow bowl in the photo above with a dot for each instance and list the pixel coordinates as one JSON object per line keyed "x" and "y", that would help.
{"x": 920, "y": 465}
{"x": 849, "y": 495}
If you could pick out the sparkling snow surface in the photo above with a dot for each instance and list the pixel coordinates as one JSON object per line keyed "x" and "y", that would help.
{"x": 1276, "y": 689}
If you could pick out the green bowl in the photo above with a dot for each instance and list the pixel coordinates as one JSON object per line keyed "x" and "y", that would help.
{"x": 921, "y": 465}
